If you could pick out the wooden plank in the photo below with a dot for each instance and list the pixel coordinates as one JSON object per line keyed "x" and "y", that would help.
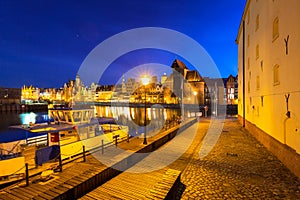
{"x": 45, "y": 196}
{"x": 51, "y": 193}
{"x": 66, "y": 185}
{"x": 122, "y": 192}
{"x": 8, "y": 196}
{"x": 71, "y": 182}
{"x": 60, "y": 189}
{"x": 29, "y": 193}
{"x": 18, "y": 194}
{"x": 37, "y": 187}
{"x": 79, "y": 179}
{"x": 128, "y": 189}
{"x": 114, "y": 194}
{"x": 96, "y": 195}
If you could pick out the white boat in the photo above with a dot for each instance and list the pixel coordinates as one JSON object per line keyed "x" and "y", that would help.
{"x": 72, "y": 130}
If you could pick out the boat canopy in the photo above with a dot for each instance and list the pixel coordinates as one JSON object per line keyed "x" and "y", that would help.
{"x": 105, "y": 120}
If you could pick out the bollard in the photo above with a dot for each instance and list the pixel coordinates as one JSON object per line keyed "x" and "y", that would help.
{"x": 116, "y": 141}
{"x": 83, "y": 151}
{"x": 26, "y": 174}
{"x": 60, "y": 162}
{"x": 102, "y": 146}
{"x": 128, "y": 138}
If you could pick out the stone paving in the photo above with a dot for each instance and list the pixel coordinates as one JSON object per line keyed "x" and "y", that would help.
{"x": 238, "y": 167}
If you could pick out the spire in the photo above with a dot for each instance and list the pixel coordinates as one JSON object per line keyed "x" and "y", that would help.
{"x": 123, "y": 84}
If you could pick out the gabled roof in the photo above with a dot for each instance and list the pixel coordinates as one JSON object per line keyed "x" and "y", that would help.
{"x": 193, "y": 76}
{"x": 178, "y": 64}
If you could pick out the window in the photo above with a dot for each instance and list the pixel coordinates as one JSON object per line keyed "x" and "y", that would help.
{"x": 257, "y": 82}
{"x": 262, "y": 65}
{"x": 275, "y": 29}
{"x": 248, "y": 40}
{"x": 257, "y": 51}
{"x": 257, "y": 22}
{"x": 276, "y": 75}
{"x": 248, "y": 86}
{"x": 248, "y": 65}
{"x": 248, "y": 17}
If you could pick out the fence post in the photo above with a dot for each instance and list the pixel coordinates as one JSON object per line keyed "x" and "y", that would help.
{"x": 83, "y": 151}
{"x": 60, "y": 161}
{"x": 26, "y": 174}
{"x": 116, "y": 141}
{"x": 102, "y": 146}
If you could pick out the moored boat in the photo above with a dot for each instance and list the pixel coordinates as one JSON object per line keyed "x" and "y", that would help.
{"x": 71, "y": 131}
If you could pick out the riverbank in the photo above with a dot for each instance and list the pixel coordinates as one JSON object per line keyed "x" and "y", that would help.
{"x": 23, "y": 108}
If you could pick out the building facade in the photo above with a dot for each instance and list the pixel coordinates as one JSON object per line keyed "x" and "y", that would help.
{"x": 10, "y": 96}
{"x": 187, "y": 85}
{"x": 231, "y": 90}
{"x": 268, "y": 71}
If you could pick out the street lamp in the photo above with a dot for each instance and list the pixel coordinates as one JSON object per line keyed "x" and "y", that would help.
{"x": 195, "y": 102}
{"x": 195, "y": 94}
{"x": 145, "y": 82}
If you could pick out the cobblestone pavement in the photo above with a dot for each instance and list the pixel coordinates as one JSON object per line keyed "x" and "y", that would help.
{"x": 238, "y": 167}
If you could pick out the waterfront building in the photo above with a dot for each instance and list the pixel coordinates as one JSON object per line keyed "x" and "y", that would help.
{"x": 30, "y": 94}
{"x": 10, "y": 96}
{"x": 131, "y": 85}
{"x": 231, "y": 89}
{"x": 163, "y": 78}
{"x": 268, "y": 76}
{"x": 154, "y": 79}
{"x": 104, "y": 93}
{"x": 186, "y": 84}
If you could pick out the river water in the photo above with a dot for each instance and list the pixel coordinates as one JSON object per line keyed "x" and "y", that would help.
{"x": 133, "y": 117}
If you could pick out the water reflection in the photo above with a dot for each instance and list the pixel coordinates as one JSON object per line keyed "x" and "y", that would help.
{"x": 11, "y": 118}
{"x": 134, "y": 117}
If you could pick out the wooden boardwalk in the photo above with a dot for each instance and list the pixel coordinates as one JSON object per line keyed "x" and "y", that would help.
{"x": 82, "y": 177}
{"x": 57, "y": 186}
{"x": 152, "y": 185}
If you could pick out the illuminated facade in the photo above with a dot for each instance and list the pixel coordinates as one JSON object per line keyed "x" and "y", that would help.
{"x": 104, "y": 93}
{"x": 268, "y": 72}
{"x": 187, "y": 85}
{"x": 30, "y": 93}
{"x": 231, "y": 87}
{"x": 10, "y": 96}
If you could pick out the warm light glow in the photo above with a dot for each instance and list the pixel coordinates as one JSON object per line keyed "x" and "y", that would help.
{"x": 195, "y": 93}
{"x": 145, "y": 80}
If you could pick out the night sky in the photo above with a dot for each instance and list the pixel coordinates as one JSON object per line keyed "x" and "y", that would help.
{"x": 43, "y": 43}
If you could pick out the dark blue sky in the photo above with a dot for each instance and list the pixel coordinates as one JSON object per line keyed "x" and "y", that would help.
{"x": 43, "y": 43}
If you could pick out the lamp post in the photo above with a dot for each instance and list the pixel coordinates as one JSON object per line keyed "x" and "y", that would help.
{"x": 195, "y": 102}
{"x": 195, "y": 94}
{"x": 145, "y": 82}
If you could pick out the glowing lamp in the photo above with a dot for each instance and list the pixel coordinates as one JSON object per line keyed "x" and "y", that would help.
{"x": 145, "y": 80}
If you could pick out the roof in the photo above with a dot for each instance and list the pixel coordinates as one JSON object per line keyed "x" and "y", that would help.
{"x": 193, "y": 76}
{"x": 105, "y": 120}
{"x": 44, "y": 128}
{"x": 178, "y": 64}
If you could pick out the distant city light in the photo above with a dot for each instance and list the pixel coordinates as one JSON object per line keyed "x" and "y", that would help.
{"x": 145, "y": 80}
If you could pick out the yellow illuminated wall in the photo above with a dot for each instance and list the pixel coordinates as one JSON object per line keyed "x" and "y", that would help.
{"x": 271, "y": 57}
